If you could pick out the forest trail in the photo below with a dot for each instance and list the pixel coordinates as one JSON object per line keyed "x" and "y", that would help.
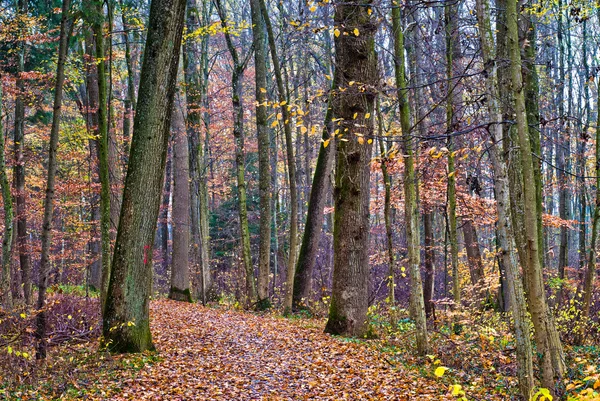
{"x": 214, "y": 354}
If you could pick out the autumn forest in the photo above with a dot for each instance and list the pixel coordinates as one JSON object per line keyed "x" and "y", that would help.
{"x": 300, "y": 199}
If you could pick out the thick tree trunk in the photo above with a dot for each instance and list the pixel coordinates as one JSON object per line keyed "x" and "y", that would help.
{"x": 548, "y": 343}
{"x": 5, "y": 273}
{"x": 356, "y": 61}
{"x": 126, "y": 316}
{"x": 45, "y": 266}
{"x": 473, "y": 254}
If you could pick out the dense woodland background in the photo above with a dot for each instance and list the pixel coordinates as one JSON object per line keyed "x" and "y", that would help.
{"x": 424, "y": 171}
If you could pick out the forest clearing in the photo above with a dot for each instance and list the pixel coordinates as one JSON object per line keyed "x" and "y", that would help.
{"x": 311, "y": 199}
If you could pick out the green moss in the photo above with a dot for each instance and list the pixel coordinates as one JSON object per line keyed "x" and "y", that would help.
{"x": 180, "y": 295}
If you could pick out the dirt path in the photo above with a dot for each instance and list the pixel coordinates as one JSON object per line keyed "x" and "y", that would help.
{"x": 210, "y": 354}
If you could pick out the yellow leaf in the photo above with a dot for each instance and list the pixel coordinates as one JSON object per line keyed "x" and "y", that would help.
{"x": 303, "y": 129}
{"x": 356, "y": 32}
{"x": 313, "y": 9}
{"x": 336, "y": 32}
{"x": 263, "y": 90}
{"x": 274, "y": 123}
{"x": 367, "y": 116}
{"x": 279, "y": 116}
{"x": 440, "y": 370}
{"x": 354, "y": 116}
{"x": 23, "y": 316}
{"x": 361, "y": 140}
{"x": 351, "y": 83}
{"x": 370, "y": 141}
{"x": 69, "y": 317}
{"x": 456, "y": 389}
{"x": 326, "y": 143}
{"x": 370, "y": 11}
{"x": 451, "y": 174}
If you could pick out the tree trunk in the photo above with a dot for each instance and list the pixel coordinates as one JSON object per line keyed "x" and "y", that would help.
{"x": 504, "y": 235}
{"x": 240, "y": 161}
{"x": 314, "y": 216}
{"x": 195, "y": 59}
{"x": 44, "y": 272}
{"x": 411, "y": 208}
{"x": 473, "y": 254}
{"x": 356, "y": 61}
{"x": 126, "y": 316}
{"x": 19, "y": 172}
{"x": 450, "y": 18}
{"x": 264, "y": 165}
{"x": 547, "y": 340}
{"x": 180, "y": 271}
{"x": 5, "y": 273}
{"x": 292, "y": 176}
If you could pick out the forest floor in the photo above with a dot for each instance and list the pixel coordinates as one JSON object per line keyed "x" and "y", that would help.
{"x": 215, "y": 354}
{"x": 220, "y": 353}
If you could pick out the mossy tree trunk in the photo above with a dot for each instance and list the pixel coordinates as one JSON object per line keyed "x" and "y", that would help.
{"x": 515, "y": 291}
{"x": 5, "y": 273}
{"x": 126, "y": 317}
{"x": 548, "y": 343}
{"x": 356, "y": 77}
{"x": 239, "y": 65}
{"x": 411, "y": 207}
{"x": 264, "y": 164}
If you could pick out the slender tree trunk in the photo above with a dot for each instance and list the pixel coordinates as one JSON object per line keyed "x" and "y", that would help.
{"x": 356, "y": 62}
{"x": 314, "y": 217}
{"x": 240, "y": 160}
{"x": 450, "y": 17}
{"x": 126, "y": 316}
{"x": 292, "y": 176}
{"x": 5, "y": 278}
{"x": 97, "y": 23}
{"x": 180, "y": 271}
{"x": 45, "y": 266}
{"x": 473, "y": 254}
{"x": 19, "y": 172}
{"x": 411, "y": 209}
{"x": 547, "y": 340}
{"x": 429, "y": 244}
{"x": 264, "y": 165}
{"x": 387, "y": 207}
{"x": 590, "y": 273}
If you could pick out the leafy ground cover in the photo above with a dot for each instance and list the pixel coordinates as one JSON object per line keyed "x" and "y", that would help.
{"x": 219, "y": 353}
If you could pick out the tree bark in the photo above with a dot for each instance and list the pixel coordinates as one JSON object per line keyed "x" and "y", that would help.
{"x": 353, "y": 104}
{"x": 19, "y": 172}
{"x": 180, "y": 271}
{"x": 5, "y": 278}
{"x": 547, "y": 340}
{"x": 126, "y": 316}
{"x": 240, "y": 161}
{"x": 291, "y": 160}
{"x": 411, "y": 208}
{"x": 46, "y": 239}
